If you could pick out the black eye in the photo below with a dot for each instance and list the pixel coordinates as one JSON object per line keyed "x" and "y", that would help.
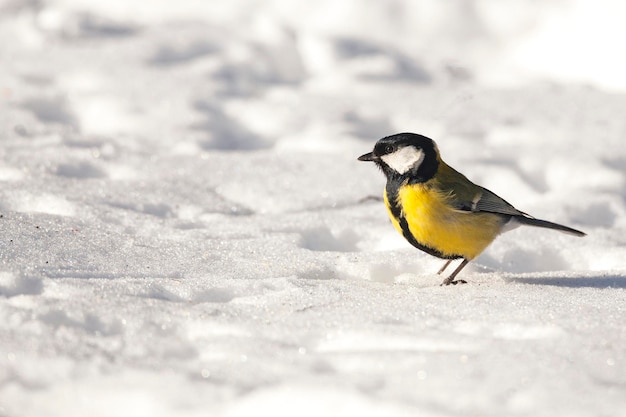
{"x": 389, "y": 149}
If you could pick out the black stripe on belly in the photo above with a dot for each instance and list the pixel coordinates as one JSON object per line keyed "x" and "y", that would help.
{"x": 396, "y": 210}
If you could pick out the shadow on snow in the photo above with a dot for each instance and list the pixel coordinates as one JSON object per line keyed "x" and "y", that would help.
{"x": 603, "y": 281}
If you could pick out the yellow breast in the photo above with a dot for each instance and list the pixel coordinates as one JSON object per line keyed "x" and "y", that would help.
{"x": 434, "y": 223}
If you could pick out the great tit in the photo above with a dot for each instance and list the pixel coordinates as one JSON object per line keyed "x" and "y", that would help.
{"x": 436, "y": 208}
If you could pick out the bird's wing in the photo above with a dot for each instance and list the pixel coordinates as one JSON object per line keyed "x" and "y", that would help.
{"x": 468, "y": 197}
{"x": 483, "y": 200}
{"x": 490, "y": 202}
{"x": 464, "y": 195}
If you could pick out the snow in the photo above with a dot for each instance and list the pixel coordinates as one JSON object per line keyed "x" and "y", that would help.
{"x": 186, "y": 230}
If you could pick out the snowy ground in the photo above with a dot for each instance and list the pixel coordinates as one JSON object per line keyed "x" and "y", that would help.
{"x": 186, "y": 230}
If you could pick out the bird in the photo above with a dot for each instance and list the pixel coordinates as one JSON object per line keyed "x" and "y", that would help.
{"x": 439, "y": 210}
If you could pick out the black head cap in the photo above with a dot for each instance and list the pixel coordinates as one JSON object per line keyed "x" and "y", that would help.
{"x": 421, "y": 157}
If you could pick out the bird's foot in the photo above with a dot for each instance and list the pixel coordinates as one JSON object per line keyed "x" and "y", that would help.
{"x": 451, "y": 280}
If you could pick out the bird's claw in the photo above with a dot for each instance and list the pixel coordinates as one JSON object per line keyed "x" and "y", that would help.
{"x": 452, "y": 281}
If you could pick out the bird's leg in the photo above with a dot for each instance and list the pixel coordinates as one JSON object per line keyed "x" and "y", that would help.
{"x": 443, "y": 268}
{"x": 450, "y": 279}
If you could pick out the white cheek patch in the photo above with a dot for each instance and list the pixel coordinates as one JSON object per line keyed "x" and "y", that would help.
{"x": 404, "y": 159}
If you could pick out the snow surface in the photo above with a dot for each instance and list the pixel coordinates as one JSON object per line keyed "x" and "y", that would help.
{"x": 186, "y": 230}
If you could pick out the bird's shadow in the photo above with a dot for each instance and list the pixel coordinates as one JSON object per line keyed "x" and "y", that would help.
{"x": 587, "y": 281}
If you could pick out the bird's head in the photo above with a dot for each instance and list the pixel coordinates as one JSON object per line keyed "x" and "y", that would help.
{"x": 405, "y": 156}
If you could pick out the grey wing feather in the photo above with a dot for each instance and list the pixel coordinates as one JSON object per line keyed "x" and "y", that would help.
{"x": 486, "y": 201}
{"x": 490, "y": 202}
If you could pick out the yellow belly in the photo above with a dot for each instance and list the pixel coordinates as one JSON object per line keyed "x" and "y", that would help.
{"x": 435, "y": 224}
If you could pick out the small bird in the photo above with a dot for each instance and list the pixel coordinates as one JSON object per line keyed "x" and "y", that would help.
{"x": 436, "y": 208}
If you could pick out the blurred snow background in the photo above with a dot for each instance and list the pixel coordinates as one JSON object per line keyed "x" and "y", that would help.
{"x": 186, "y": 230}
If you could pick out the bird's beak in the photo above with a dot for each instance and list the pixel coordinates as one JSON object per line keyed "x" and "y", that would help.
{"x": 367, "y": 157}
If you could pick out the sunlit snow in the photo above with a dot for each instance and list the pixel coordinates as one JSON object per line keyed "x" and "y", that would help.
{"x": 186, "y": 230}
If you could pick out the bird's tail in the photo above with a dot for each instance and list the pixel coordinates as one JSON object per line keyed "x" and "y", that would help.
{"x": 531, "y": 221}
